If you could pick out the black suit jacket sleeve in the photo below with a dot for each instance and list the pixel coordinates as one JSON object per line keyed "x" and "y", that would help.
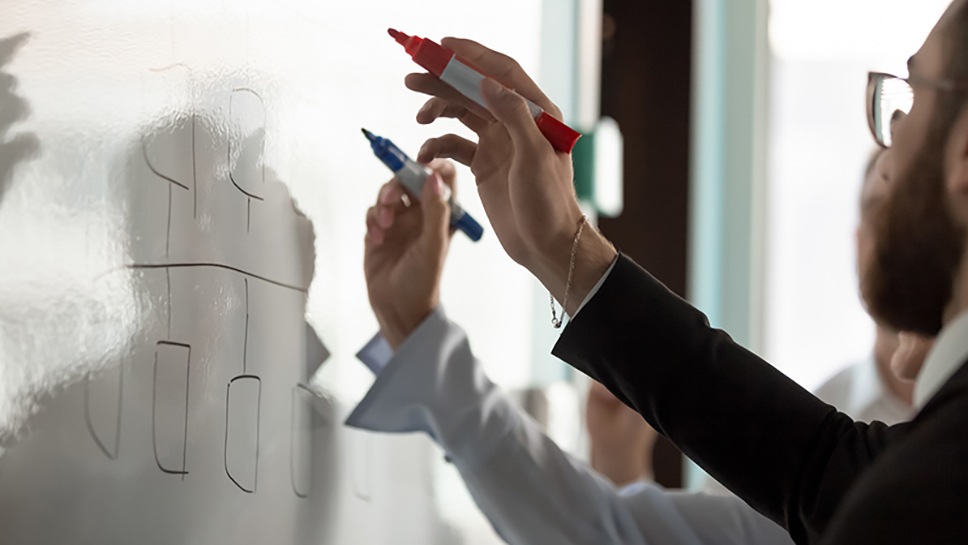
{"x": 788, "y": 454}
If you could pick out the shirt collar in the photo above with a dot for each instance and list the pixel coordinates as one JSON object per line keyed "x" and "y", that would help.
{"x": 870, "y": 398}
{"x": 949, "y": 352}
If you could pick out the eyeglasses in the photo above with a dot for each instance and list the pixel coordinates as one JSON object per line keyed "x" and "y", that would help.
{"x": 889, "y": 99}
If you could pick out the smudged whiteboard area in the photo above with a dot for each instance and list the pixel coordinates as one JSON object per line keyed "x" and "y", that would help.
{"x": 158, "y": 162}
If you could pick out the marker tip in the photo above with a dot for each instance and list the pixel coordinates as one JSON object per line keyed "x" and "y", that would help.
{"x": 400, "y": 37}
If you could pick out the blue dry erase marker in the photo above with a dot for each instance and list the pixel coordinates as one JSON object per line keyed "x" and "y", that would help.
{"x": 412, "y": 175}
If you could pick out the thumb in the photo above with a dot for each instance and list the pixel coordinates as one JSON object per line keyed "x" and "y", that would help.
{"x": 512, "y": 110}
{"x": 434, "y": 202}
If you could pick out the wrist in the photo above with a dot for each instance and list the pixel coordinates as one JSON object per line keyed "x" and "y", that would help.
{"x": 397, "y": 331}
{"x": 593, "y": 255}
{"x": 397, "y": 327}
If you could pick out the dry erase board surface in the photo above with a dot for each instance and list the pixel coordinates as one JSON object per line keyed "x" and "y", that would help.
{"x": 183, "y": 186}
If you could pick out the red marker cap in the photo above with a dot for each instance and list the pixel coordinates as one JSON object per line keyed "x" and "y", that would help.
{"x": 432, "y": 56}
{"x": 435, "y": 58}
{"x": 562, "y": 137}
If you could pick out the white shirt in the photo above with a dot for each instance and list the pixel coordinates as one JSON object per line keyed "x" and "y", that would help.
{"x": 948, "y": 354}
{"x": 860, "y": 391}
{"x": 531, "y": 491}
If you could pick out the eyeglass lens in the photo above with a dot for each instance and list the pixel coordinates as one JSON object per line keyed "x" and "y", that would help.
{"x": 892, "y": 100}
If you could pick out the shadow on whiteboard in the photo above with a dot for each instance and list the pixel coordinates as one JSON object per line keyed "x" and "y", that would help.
{"x": 17, "y": 147}
{"x": 201, "y": 413}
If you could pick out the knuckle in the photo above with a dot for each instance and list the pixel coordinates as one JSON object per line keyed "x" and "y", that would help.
{"x": 512, "y": 65}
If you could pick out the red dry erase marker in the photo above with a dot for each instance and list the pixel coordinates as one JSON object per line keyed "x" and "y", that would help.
{"x": 461, "y": 75}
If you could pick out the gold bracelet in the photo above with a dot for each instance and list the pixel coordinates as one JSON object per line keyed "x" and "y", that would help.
{"x": 555, "y": 320}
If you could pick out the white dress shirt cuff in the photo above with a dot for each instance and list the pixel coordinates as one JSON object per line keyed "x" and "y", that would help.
{"x": 427, "y": 378}
{"x": 595, "y": 288}
{"x": 376, "y": 354}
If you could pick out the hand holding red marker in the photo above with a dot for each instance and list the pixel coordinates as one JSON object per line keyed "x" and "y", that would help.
{"x": 462, "y": 76}
{"x": 526, "y": 185}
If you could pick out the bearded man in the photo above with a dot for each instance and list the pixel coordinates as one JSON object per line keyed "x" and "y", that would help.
{"x": 797, "y": 460}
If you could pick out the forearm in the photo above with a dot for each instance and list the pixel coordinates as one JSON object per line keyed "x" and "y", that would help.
{"x": 743, "y": 421}
{"x": 566, "y": 503}
{"x": 530, "y": 490}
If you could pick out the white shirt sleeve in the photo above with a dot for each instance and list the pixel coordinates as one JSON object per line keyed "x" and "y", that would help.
{"x": 530, "y": 490}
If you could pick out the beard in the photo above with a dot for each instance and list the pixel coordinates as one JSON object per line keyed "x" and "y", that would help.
{"x": 917, "y": 248}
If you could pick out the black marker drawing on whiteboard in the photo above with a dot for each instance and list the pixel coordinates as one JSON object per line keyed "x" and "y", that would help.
{"x": 166, "y": 159}
{"x": 171, "y": 181}
{"x": 151, "y": 167}
{"x": 238, "y": 452}
{"x": 259, "y": 134}
{"x": 157, "y": 429}
{"x": 111, "y": 453}
{"x": 245, "y": 336}
{"x": 305, "y": 408}
{"x": 236, "y": 455}
{"x": 301, "y": 440}
{"x": 194, "y": 189}
{"x": 301, "y": 289}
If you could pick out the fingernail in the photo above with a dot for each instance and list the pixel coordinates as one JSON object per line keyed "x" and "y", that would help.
{"x": 385, "y": 196}
{"x": 375, "y": 235}
{"x": 445, "y": 191}
{"x": 383, "y": 218}
{"x": 423, "y": 155}
{"x": 438, "y": 185}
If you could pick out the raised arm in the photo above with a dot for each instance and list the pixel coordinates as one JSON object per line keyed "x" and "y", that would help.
{"x": 774, "y": 444}
{"x": 530, "y": 490}
{"x": 525, "y": 185}
{"x": 771, "y": 442}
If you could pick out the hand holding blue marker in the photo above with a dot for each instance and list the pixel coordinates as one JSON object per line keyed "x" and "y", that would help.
{"x": 412, "y": 175}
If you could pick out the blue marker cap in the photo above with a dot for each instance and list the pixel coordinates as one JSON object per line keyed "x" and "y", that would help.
{"x": 412, "y": 176}
{"x": 470, "y": 227}
{"x": 386, "y": 151}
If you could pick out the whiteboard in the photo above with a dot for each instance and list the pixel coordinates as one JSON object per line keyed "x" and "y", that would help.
{"x": 182, "y": 193}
